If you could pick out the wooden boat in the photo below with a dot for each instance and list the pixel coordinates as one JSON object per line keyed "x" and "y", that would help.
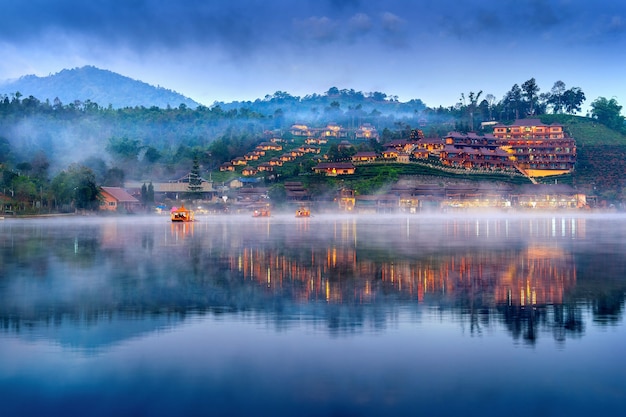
{"x": 261, "y": 213}
{"x": 182, "y": 214}
{"x": 303, "y": 212}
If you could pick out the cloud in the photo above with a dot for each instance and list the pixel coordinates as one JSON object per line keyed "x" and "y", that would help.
{"x": 360, "y": 23}
{"x": 321, "y": 29}
{"x": 391, "y": 22}
{"x": 238, "y": 45}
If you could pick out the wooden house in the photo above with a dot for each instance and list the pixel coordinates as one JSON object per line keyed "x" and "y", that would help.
{"x": 116, "y": 198}
{"x": 249, "y": 171}
{"x": 334, "y": 168}
{"x": 361, "y": 157}
{"x": 227, "y": 166}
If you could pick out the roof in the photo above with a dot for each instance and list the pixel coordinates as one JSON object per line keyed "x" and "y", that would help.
{"x": 527, "y": 122}
{"x": 336, "y": 165}
{"x": 119, "y": 194}
{"x": 431, "y": 140}
{"x": 249, "y": 180}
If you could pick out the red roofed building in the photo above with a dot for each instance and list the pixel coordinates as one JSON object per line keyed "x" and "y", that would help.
{"x": 116, "y": 198}
{"x": 364, "y": 156}
{"x": 334, "y": 168}
{"x": 537, "y": 148}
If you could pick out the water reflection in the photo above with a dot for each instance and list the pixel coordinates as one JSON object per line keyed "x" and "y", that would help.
{"x": 531, "y": 276}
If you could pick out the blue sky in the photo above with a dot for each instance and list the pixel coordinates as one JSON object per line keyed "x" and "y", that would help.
{"x": 244, "y": 49}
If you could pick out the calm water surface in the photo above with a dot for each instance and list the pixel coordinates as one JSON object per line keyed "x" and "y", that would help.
{"x": 332, "y": 316}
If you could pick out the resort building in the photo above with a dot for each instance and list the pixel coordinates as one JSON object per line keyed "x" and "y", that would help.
{"x": 537, "y": 148}
{"x": 366, "y": 132}
{"x": 332, "y": 169}
{"x": 300, "y": 130}
{"x": 364, "y": 156}
{"x": 334, "y": 131}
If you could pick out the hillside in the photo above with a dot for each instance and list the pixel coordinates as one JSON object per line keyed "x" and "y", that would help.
{"x": 601, "y": 165}
{"x": 96, "y": 85}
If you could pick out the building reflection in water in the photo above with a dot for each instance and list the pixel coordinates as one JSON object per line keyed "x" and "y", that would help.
{"x": 347, "y": 271}
{"x": 522, "y": 272}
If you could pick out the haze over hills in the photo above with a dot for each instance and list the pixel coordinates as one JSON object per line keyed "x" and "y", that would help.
{"x": 96, "y": 85}
{"x": 105, "y": 88}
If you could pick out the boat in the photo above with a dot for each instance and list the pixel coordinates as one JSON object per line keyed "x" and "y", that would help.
{"x": 182, "y": 214}
{"x": 303, "y": 212}
{"x": 261, "y": 213}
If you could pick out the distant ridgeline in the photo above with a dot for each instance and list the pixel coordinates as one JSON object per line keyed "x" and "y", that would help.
{"x": 97, "y": 86}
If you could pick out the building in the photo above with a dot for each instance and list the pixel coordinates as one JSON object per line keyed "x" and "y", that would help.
{"x": 265, "y": 167}
{"x": 537, "y": 148}
{"x": 269, "y": 146}
{"x": 334, "y": 131}
{"x": 366, "y": 132}
{"x": 364, "y": 156}
{"x": 482, "y": 158}
{"x": 249, "y": 171}
{"x": 390, "y": 153}
{"x": 300, "y": 130}
{"x": 116, "y": 199}
{"x": 295, "y": 192}
{"x": 227, "y": 166}
{"x": 332, "y": 169}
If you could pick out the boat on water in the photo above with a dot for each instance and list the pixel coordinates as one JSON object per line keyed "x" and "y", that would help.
{"x": 182, "y": 214}
{"x": 303, "y": 212}
{"x": 261, "y": 213}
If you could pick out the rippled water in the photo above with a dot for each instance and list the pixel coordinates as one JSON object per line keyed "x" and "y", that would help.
{"x": 393, "y": 315}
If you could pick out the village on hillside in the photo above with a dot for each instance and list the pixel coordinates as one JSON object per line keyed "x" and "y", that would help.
{"x": 527, "y": 150}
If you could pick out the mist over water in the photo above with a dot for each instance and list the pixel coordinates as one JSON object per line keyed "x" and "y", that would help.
{"x": 335, "y": 314}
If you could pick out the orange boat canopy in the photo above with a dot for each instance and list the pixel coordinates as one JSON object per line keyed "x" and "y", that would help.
{"x": 181, "y": 214}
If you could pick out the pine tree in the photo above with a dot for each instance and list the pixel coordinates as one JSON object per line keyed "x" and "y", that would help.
{"x": 144, "y": 194}
{"x": 195, "y": 181}
{"x": 150, "y": 193}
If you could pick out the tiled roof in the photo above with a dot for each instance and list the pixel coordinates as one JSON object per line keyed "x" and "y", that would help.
{"x": 120, "y": 194}
{"x": 336, "y": 165}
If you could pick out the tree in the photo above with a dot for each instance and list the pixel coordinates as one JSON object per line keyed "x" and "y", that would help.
{"x": 607, "y": 112}
{"x": 471, "y": 107}
{"x": 512, "y": 101}
{"x": 152, "y": 154}
{"x": 195, "y": 181}
{"x": 556, "y": 97}
{"x": 40, "y": 165}
{"x": 77, "y": 186}
{"x": 5, "y": 150}
{"x": 150, "y": 194}
{"x": 114, "y": 177}
{"x": 277, "y": 193}
{"x": 147, "y": 194}
{"x": 573, "y": 99}
{"x": 530, "y": 89}
{"x": 123, "y": 147}
{"x": 87, "y": 194}
{"x": 24, "y": 189}
{"x": 491, "y": 101}
{"x": 144, "y": 193}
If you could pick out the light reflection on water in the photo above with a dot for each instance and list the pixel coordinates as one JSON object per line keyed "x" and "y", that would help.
{"x": 321, "y": 316}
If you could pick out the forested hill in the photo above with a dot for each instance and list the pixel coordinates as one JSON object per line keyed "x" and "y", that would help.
{"x": 95, "y": 85}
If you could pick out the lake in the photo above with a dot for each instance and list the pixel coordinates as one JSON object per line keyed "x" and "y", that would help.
{"x": 477, "y": 314}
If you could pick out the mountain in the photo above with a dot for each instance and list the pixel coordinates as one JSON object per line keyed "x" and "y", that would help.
{"x": 97, "y": 85}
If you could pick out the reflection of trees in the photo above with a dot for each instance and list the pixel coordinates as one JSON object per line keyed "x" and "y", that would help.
{"x": 607, "y": 308}
{"x": 603, "y": 282}
{"x": 526, "y": 323}
{"x": 338, "y": 275}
